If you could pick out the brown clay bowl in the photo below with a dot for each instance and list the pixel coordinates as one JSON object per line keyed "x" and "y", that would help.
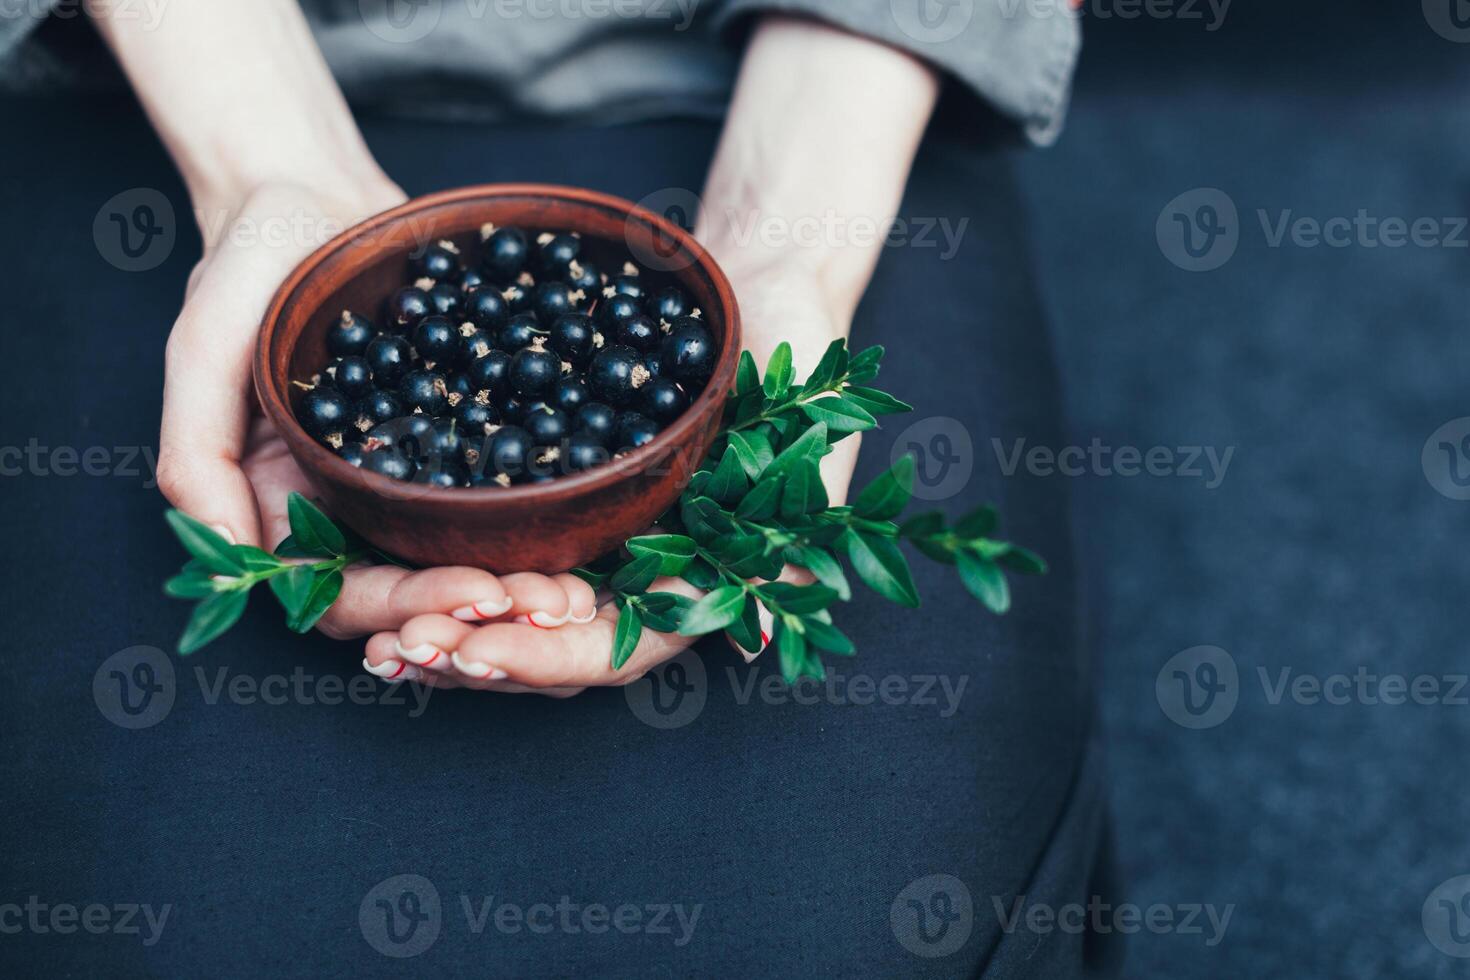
{"x": 546, "y": 527}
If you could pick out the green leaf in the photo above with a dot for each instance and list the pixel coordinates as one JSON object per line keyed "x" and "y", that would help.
{"x": 986, "y": 582}
{"x": 594, "y": 579}
{"x": 728, "y": 483}
{"x": 293, "y": 590}
{"x": 703, "y": 518}
{"x": 778, "y": 371}
{"x": 880, "y": 564}
{"x": 762, "y": 501}
{"x": 637, "y": 575}
{"x": 832, "y": 366}
{"x": 732, "y": 549}
{"x": 314, "y": 531}
{"x": 674, "y": 550}
{"x": 799, "y": 599}
{"x": 977, "y": 523}
{"x": 701, "y": 574}
{"x": 1026, "y": 562}
{"x": 794, "y": 659}
{"x": 875, "y": 401}
{"x": 827, "y": 637}
{"x": 664, "y": 611}
{"x": 840, "y": 414}
{"x": 326, "y": 586}
{"x": 887, "y": 496}
{"x": 746, "y": 631}
{"x": 189, "y": 585}
{"x": 864, "y": 365}
{"x": 212, "y": 617}
{"x": 747, "y": 375}
{"x": 935, "y": 550}
{"x": 923, "y": 525}
{"x": 828, "y": 570}
{"x": 988, "y": 549}
{"x": 254, "y": 559}
{"x": 204, "y": 544}
{"x": 627, "y": 635}
{"x": 714, "y": 612}
{"x": 288, "y": 548}
{"x": 804, "y": 493}
{"x": 753, "y": 450}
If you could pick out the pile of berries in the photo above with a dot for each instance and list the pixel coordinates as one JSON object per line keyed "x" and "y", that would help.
{"x": 526, "y": 365}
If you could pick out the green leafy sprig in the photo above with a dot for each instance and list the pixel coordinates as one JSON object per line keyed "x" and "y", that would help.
{"x": 220, "y": 575}
{"x": 756, "y": 504}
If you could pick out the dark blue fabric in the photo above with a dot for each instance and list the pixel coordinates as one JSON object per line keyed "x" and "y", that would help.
{"x": 796, "y": 829}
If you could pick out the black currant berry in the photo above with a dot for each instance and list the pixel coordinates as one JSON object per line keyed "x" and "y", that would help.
{"x": 597, "y": 421}
{"x": 615, "y": 375}
{"x": 325, "y": 413}
{"x": 446, "y": 440}
{"x": 613, "y": 310}
{"x": 353, "y": 377}
{"x": 689, "y": 352}
{"x": 635, "y": 430}
{"x": 513, "y": 408}
{"x": 571, "y": 337}
{"x": 662, "y": 400}
{"x": 534, "y": 370}
{"x": 408, "y": 306}
{"x": 584, "y": 276}
{"x": 439, "y": 261}
{"x": 353, "y": 452}
{"x": 444, "y": 473}
{"x": 505, "y": 253}
{"x": 475, "y": 417}
{"x": 553, "y": 299}
{"x": 653, "y": 363}
{"x": 639, "y": 332}
{"x": 570, "y": 394}
{"x": 490, "y": 373}
{"x": 558, "y": 252}
{"x": 437, "y": 341}
{"x": 582, "y": 451}
{"x": 509, "y": 451}
{"x": 388, "y": 357}
{"x": 389, "y": 462}
{"x": 547, "y": 426}
{"x": 518, "y": 295}
{"x": 461, "y": 389}
{"x": 667, "y": 304}
{"x": 408, "y": 435}
{"x": 425, "y": 391}
{"x": 349, "y": 335}
{"x": 475, "y": 343}
{"x": 485, "y": 307}
{"x": 626, "y": 285}
{"x": 518, "y": 332}
{"x": 447, "y": 299}
{"x": 377, "y": 407}
{"x": 470, "y": 279}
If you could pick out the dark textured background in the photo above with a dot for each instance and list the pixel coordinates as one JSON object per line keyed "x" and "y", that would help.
{"x": 1325, "y": 549}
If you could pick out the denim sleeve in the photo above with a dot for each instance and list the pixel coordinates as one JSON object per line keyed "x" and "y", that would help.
{"x": 1017, "y": 55}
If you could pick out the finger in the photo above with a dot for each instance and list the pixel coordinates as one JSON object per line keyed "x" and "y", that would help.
{"x": 206, "y": 408}
{"x": 581, "y": 598}
{"x": 539, "y": 598}
{"x": 429, "y": 640}
{"x": 576, "y": 655}
{"x": 384, "y": 597}
{"x": 383, "y": 663}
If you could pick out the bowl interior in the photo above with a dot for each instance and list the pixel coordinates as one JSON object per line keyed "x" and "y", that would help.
{"x": 359, "y": 270}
